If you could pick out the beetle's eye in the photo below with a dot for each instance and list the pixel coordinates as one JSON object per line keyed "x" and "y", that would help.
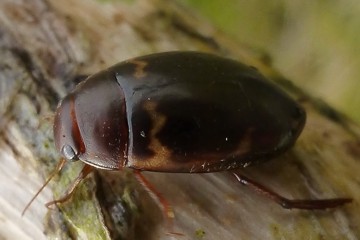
{"x": 68, "y": 152}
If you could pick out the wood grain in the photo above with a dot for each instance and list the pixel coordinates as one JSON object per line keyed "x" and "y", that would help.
{"x": 46, "y": 45}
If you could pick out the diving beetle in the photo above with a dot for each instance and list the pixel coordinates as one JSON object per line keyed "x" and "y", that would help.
{"x": 181, "y": 112}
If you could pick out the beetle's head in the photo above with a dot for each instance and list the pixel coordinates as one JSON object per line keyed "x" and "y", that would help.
{"x": 91, "y": 124}
{"x": 67, "y": 140}
{"x": 67, "y": 136}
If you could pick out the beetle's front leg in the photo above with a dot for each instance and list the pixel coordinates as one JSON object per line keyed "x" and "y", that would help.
{"x": 70, "y": 191}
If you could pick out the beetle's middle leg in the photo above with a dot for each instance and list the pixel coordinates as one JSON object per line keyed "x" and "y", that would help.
{"x": 166, "y": 207}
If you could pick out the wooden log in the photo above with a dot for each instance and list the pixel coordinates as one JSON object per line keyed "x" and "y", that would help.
{"x": 46, "y": 45}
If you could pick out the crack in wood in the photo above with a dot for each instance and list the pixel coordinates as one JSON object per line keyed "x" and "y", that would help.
{"x": 36, "y": 75}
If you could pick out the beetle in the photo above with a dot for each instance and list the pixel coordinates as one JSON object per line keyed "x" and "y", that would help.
{"x": 183, "y": 112}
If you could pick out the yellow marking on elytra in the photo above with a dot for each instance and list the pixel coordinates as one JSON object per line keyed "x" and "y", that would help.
{"x": 162, "y": 153}
{"x": 244, "y": 146}
{"x": 139, "y": 68}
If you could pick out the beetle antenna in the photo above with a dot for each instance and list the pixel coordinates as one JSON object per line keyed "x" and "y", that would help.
{"x": 58, "y": 168}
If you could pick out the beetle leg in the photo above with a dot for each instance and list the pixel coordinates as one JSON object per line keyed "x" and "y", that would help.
{"x": 288, "y": 203}
{"x": 70, "y": 191}
{"x": 166, "y": 207}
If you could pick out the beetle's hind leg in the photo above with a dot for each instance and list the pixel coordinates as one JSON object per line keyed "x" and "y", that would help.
{"x": 288, "y": 203}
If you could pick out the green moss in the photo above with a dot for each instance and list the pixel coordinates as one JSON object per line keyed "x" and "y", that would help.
{"x": 115, "y": 1}
{"x": 255, "y": 22}
{"x": 301, "y": 229}
{"x": 81, "y": 213}
{"x": 200, "y": 233}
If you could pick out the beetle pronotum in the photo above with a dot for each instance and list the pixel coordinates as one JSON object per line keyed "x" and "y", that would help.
{"x": 185, "y": 112}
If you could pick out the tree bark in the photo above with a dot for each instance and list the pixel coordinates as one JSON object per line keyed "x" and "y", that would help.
{"x": 46, "y": 45}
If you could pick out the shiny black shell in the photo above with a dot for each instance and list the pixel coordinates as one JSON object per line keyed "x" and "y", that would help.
{"x": 178, "y": 112}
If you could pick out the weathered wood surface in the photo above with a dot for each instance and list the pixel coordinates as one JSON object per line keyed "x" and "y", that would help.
{"x": 45, "y": 45}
